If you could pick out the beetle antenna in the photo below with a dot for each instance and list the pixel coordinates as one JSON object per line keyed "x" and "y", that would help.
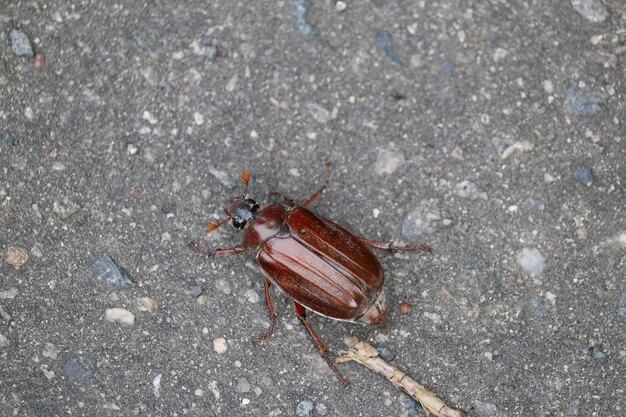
{"x": 245, "y": 178}
{"x": 215, "y": 224}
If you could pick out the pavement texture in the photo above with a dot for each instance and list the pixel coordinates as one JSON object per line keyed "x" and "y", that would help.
{"x": 492, "y": 131}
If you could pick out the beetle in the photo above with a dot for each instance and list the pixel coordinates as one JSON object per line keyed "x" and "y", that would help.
{"x": 319, "y": 264}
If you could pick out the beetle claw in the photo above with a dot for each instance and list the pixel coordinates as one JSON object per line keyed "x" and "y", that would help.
{"x": 261, "y": 338}
{"x": 194, "y": 247}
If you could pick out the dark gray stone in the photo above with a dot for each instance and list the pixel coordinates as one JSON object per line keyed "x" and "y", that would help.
{"x": 386, "y": 353}
{"x": 21, "y": 44}
{"x": 383, "y": 40}
{"x": 113, "y": 277}
{"x": 411, "y": 405}
{"x": 79, "y": 369}
{"x": 582, "y": 174}
{"x": 304, "y": 408}
{"x": 598, "y": 354}
{"x": 578, "y": 103}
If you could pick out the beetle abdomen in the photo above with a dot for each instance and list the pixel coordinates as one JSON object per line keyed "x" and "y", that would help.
{"x": 322, "y": 266}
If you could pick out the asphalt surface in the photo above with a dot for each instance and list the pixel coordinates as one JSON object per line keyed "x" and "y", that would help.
{"x": 492, "y": 131}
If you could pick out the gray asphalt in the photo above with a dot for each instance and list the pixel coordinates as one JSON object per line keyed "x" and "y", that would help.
{"x": 492, "y": 131}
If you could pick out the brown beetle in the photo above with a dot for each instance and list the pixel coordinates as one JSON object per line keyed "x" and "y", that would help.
{"x": 319, "y": 264}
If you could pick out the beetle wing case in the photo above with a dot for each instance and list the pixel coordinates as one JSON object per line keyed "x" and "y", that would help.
{"x": 325, "y": 268}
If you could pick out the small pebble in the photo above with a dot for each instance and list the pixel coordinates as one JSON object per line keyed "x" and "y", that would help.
{"x": 64, "y": 207}
{"x": 198, "y": 392}
{"x": 243, "y": 385}
{"x": 132, "y": 149}
{"x": 20, "y": 44}
{"x": 522, "y": 146}
{"x": 411, "y": 405}
{"x": 539, "y": 306}
{"x": 150, "y": 75}
{"x": 533, "y": 204}
{"x": 221, "y": 176}
{"x": 386, "y": 353}
{"x": 40, "y": 60}
{"x": 340, "y": 6}
{"x": 467, "y": 189}
{"x": 319, "y": 113}
{"x": 405, "y": 308}
{"x": 9, "y": 294}
{"x": 436, "y": 318}
{"x": 485, "y": 409}
{"x": 499, "y": 54}
{"x": 208, "y": 51}
{"x": 621, "y": 307}
{"x": 156, "y": 385}
{"x": 232, "y": 83}
{"x": 300, "y": 10}
{"x": 267, "y": 382}
{"x": 304, "y": 408}
{"x": 388, "y": 161}
{"x": 195, "y": 291}
{"x": 214, "y": 389}
{"x": 220, "y": 345}
{"x": 548, "y": 86}
{"x": 592, "y": 10}
{"x": 120, "y": 315}
{"x": 150, "y": 118}
{"x": 223, "y": 286}
{"x": 424, "y": 219}
{"x": 51, "y": 351}
{"x": 321, "y": 409}
{"x": 531, "y": 260}
{"x": 79, "y": 369}
{"x": 252, "y": 296}
{"x": 582, "y": 174}
{"x": 113, "y": 277}
{"x": 10, "y": 140}
{"x": 383, "y": 40}
{"x": 4, "y": 314}
{"x": 146, "y": 304}
{"x": 16, "y": 256}
{"x": 198, "y": 118}
{"x": 598, "y": 354}
{"x": 577, "y": 103}
{"x": 4, "y": 342}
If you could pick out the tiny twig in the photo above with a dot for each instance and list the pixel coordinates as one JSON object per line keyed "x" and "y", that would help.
{"x": 366, "y": 355}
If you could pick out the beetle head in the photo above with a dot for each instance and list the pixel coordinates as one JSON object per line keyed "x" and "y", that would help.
{"x": 241, "y": 211}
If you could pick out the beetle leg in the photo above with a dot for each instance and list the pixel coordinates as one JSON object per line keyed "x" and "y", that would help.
{"x": 286, "y": 200}
{"x": 301, "y": 314}
{"x": 216, "y": 252}
{"x": 270, "y": 312}
{"x": 319, "y": 192}
{"x": 389, "y": 246}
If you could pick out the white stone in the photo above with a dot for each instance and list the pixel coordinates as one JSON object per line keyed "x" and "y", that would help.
{"x": 120, "y": 315}
{"x": 220, "y": 345}
{"x": 531, "y": 260}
